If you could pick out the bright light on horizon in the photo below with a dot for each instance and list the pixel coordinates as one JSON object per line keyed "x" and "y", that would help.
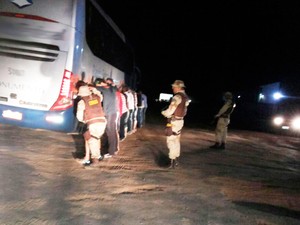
{"x": 277, "y": 95}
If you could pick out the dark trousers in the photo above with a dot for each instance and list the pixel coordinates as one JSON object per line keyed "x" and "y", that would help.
{"x": 123, "y": 125}
{"x": 130, "y": 120}
{"x": 111, "y": 137}
{"x": 140, "y": 117}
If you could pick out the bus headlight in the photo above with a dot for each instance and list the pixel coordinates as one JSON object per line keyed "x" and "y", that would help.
{"x": 55, "y": 119}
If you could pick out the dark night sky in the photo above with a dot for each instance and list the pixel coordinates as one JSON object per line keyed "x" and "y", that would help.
{"x": 214, "y": 46}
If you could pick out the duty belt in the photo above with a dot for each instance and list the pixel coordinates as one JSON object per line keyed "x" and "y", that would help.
{"x": 177, "y": 118}
{"x": 96, "y": 120}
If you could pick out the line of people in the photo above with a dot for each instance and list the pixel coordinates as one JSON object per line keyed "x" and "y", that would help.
{"x": 107, "y": 114}
{"x": 111, "y": 113}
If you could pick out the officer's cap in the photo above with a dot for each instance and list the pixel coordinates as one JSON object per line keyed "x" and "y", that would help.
{"x": 178, "y": 83}
{"x": 228, "y": 95}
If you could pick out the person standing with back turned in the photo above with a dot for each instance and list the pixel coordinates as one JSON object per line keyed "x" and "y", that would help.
{"x": 175, "y": 114}
{"x": 90, "y": 112}
{"x": 223, "y": 120}
{"x": 110, "y": 108}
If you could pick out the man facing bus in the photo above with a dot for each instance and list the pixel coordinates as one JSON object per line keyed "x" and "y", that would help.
{"x": 110, "y": 107}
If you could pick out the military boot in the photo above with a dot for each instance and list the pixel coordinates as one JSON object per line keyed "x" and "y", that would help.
{"x": 215, "y": 146}
{"x": 172, "y": 164}
{"x": 176, "y": 163}
{"x": 222, "y": 146}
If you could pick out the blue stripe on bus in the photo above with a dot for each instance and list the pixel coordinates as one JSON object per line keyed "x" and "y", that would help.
{"x": 36, "y": 119}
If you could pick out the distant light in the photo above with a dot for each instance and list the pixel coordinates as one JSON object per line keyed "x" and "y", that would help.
{"x": 238, "y": 96}
{"x": 296, "y": 123}
{"x": 278, "y": 120}
{"x": 261, "y": 97}
{"x": 277, "y": 95}
{"x": 165, "y": 97}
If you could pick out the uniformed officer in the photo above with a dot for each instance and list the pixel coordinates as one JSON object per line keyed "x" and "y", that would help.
{"x": 90, "y": 112}
{"x": 223, "y": 120}
{"x": 175, "y": 113}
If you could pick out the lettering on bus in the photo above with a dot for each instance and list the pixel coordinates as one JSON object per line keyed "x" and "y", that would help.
{"x": 15, "y": 72}
{"x": 22, "y": 87}
{"x": 33, "y": 104}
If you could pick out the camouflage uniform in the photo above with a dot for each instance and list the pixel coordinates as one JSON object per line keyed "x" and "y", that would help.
{"x": 175, "y": 113}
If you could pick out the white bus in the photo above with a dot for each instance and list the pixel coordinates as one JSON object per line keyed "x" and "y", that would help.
{"x": 46, "y": 46}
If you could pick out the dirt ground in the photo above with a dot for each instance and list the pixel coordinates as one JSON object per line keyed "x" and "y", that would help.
{"x": 255, "y": 181}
